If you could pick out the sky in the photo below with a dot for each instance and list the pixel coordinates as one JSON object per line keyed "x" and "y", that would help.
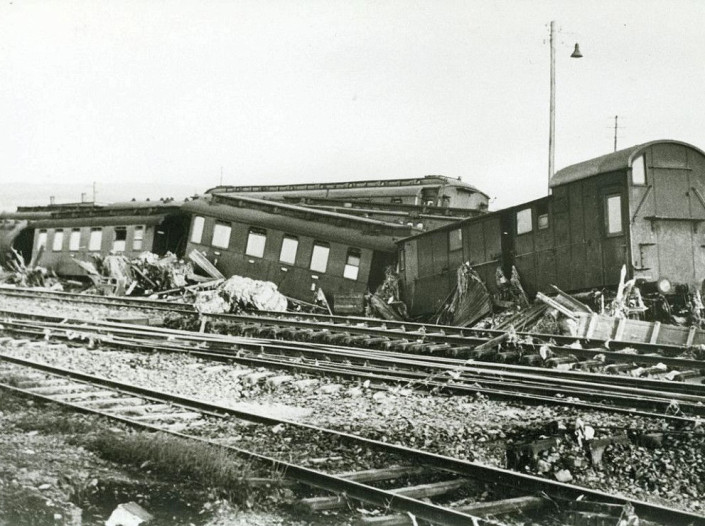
{"x": 168, "y": 95}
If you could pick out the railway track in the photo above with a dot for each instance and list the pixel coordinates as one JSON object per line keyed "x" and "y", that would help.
{"x": 518, "y": 348}
{"x": 440, "y": 476}
{"x": 94, "y": 299}
{"x": 678, "y": 401}
{"x": 623, "y": 358}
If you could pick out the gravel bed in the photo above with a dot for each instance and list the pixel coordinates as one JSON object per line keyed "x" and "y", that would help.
{"x": 671, "y": 471}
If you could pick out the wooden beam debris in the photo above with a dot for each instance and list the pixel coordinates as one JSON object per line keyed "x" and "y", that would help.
{"x": 202, "y": 262}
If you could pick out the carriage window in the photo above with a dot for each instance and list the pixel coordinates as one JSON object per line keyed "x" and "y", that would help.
{"x": 75, "y": 239}
{"x": 120, "y": 239}
{"x": 96, "y": 239}
{"x": 42, "y": 239}
{"x": 613, "y": 205}
{"x": 639, "y": 170}
{"x": 255, "y": 242}
{"x": 455, "y": 239}
{"x": 319, "y": 257}
{"x": 197, "y": 230}
{"x": 524, "y": 221}
{"x": 542, "y": 216}
{"x": 58, "y": 243}
{"x": 288, "y": 252}
{"x": 352, "y": 264}
{"x": 221, "y": 235}
{"x": 137, "y": 238}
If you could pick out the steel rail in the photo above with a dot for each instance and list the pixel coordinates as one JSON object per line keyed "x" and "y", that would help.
{"x": 617, "y": 382}
{"x": 686, "y": 392}
{"x": 427, "y": 329}
{"x": 451, "y": 330}
{"x": 430, "y": 512}
{"x": 475, "y": 470}
{"x": 612, "y": 356}
{"x": 461, "y": 341}
{"x": 473, "y": 379}
{"x": 125, "y": 301}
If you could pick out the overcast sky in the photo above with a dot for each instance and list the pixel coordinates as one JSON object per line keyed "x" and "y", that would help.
{"x": 169, "y": 92}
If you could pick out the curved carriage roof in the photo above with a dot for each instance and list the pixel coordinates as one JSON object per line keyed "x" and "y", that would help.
{"x": 611, "y": 162}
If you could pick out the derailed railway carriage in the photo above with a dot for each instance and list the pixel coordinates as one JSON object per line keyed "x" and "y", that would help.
{"x": 56, "y": 235}
{"x": 299, "y": 249}
{"x": 643, "y": 207}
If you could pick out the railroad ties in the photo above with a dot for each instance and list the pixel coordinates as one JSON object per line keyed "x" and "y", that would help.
{"x": 397, "y": 490}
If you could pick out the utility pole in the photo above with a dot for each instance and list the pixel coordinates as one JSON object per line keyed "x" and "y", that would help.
{"x": 221, "y": 176}
{"x": 94, "y": 191}
{"x": 615, "y": 132}
{"x": 552, "y": 109}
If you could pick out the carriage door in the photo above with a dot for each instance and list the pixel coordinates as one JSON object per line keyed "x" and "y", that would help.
{"x": 676, "y": 222}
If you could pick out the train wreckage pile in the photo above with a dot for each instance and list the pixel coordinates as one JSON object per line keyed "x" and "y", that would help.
{"x": 197, "y": 281}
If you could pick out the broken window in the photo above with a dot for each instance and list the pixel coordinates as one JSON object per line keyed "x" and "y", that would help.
{"x": 352, "y": 264}
{"x": 221, "y": 235}
{"x": 75, "y": 239}
{"x": 639, "y": 170}
{"x": 613, "y": 206}
{"x": 120, "y": 239}
{"x": 290, "y": 245}
{"x": 524, "y": 221}
{"x": 58, "y": 243}
{"x": 319, "y": 257}
{"x": 455, "y": 239}
{"x": 96, "y": 239}
{"x": 137, "y": 238}
{"x": 256, "y": 240}
{"x": 197, "y": 229}
{"x": 42, "y": 239}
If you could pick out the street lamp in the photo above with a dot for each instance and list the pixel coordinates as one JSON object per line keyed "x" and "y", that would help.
{"x": 552, "y": 110}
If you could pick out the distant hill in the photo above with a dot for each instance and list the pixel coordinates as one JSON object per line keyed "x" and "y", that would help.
{"x": 17, "y": 194}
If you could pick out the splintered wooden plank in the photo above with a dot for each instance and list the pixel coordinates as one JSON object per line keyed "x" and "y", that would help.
{"x": 199, "y": 259}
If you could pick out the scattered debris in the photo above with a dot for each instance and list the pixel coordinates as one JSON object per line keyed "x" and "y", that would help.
{"x": 202, "y": 261}
{"x": 30, "y": 275}
{"x": 386, "y": 301}
{"x": 237, "y": 293}
{"x": 469, "y": 301}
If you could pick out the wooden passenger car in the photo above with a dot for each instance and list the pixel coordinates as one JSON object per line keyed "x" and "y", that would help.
{"x": 642, "y": 207}
{"x": 300, "y": 249}
{"x": 76, "y": 231}
{"x": 431, "y": 190}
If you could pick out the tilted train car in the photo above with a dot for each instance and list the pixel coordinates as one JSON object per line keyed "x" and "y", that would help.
{"x": 60, "y": 234}
{"x": 424, "y": 217}
{"x": 300, "y": 249}
{"x": 431, "y": 190}
{"x": 642, "y": 207}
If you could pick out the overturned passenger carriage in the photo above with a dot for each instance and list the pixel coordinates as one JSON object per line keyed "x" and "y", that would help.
{"x": 56, "y": 236}
{"x": 299, "y": 249}
{"x": 643, "y": 207}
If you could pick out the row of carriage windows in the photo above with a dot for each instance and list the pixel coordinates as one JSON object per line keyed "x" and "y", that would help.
{"x": 525, "y": 224}
{"x": 612, "y": 216}
{"x": 257, "y": 240}
{"x": 95, "y": 239}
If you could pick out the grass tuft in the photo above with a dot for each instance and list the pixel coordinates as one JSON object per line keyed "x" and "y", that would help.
{"x": 179, "y": 460}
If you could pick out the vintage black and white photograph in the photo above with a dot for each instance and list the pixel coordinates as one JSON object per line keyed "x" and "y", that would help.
{"x": 352, "y": 262}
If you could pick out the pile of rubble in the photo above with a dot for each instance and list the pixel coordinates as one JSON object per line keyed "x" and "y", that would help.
{"x": 21, "y": 274}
